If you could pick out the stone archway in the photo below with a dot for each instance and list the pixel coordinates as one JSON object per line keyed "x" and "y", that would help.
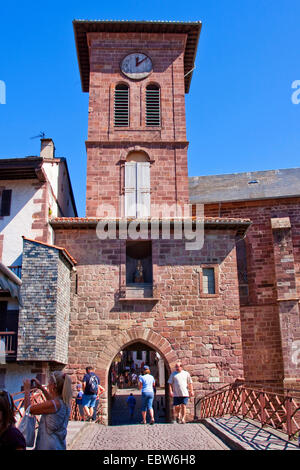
{"x": 123, "y": 340}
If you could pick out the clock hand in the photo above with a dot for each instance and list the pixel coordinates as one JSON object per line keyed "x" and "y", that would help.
{"x": 139, "y": 62}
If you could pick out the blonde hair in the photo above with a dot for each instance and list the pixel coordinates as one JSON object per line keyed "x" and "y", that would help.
{"x": 63, "y": 385}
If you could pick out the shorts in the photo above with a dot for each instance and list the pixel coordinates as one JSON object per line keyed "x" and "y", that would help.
{"x": 147, "y": 401}
{"x": 89, "y": 400}
{"x": 180, "y": 401}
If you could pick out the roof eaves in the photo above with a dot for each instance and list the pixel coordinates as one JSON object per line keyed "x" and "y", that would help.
{"x": 83, "y": 56}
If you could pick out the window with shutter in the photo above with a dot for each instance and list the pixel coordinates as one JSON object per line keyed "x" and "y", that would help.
{"x": 153, "y": 105}
{"x": 137, "y": 188}
{"x": 121, "y": 106}
{"x": 6, "y": 202}
{"x": 143, "y": 189}
{"x": 130, "y": 189}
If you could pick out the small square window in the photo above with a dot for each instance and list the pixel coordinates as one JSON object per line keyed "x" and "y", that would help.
{"x": 209, "y": 281}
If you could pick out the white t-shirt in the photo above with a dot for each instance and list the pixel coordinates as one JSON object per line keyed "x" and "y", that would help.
{"x": 180, "y": 381}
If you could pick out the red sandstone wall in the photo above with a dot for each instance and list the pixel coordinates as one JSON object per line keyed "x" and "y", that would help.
{"x": 168, "y": 176}
{"x": 261, "y": 330}
{"x": 203, "y": 332}
{"x": 108, "y": 146}
{"x": 106, "y": 53}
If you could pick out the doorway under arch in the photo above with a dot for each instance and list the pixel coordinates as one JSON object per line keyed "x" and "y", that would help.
{"x": 127, "y": 364}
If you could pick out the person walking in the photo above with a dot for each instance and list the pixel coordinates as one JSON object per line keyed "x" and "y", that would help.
{"x": 131, "y": 402}
{"x": 79, "y": 407}
{"x": 11, "y": 437}
{"x": 121, "y": 381}
{"x": 146, "y": 384}
{"x": 100, "y": 391}
{"x": 180, "y": 388}
{"x": 55, "y": 411}
{"x": 90, "y": 385}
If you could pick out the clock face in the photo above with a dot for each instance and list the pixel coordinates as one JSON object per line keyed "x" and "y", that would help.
{"x": 136, "y": 66}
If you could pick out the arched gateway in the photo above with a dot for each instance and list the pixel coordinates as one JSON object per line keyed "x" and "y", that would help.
{"x": 133, "y": 339}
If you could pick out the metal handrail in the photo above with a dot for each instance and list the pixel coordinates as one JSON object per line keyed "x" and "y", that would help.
{"x": 278, "y": 410}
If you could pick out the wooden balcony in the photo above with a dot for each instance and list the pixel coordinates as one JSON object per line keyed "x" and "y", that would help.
{"x": 8, "y": 345}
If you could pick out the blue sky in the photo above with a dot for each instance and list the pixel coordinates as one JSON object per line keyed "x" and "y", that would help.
{"x": 240, "y": 116}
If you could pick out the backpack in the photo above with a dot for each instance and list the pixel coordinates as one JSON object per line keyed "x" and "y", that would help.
{"x": 93, "y": 384}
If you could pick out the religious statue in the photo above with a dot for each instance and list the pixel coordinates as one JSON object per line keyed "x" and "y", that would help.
{"x": 138, "y": 275}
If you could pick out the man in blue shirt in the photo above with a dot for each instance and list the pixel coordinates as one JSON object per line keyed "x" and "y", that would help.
{"x": 91, "y": 384}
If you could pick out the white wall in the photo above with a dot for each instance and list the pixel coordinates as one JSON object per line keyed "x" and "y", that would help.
{"x": 57, "y": 175}
{"x": 20, "y": 221}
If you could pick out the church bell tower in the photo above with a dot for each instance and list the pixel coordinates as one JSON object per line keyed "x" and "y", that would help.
{"x": 137, "y": 74}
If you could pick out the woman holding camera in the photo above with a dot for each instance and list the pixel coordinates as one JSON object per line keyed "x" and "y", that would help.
{"x": 55, "y": 411}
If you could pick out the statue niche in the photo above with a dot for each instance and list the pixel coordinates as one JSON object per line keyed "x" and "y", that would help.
{"x": 138, "y": 263}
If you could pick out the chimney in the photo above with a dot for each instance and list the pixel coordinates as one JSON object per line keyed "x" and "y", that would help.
{"x": 47, "y": 148}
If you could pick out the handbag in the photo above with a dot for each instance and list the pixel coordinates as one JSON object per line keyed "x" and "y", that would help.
{"x": 27, "y": 428}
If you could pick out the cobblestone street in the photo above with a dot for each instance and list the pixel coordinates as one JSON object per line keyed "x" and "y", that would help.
{"x": 146, "y": 437}
{"x": 123, "y": 435}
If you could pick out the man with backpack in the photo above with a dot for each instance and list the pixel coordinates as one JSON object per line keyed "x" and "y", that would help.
{"x": 91, "y": 385}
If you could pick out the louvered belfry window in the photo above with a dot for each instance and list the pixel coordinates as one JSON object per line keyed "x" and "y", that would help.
{"x": 152, "y": 105}
{"x": 121, "y": 106}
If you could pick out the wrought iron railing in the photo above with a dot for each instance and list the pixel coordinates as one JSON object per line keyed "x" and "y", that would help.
{"x": 8, "y": 343}
{"x": 279, "y": 411}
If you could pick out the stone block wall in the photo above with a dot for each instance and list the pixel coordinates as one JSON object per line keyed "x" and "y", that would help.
{"x": 108, "y": 146}
{"x": 270, "y": 320}
{"x": 204, "y": 332}
{"x": 168, "y": 176}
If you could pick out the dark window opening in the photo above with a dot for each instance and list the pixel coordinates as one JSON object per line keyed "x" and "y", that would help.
{"x": 5, "y": 202}
{"x": 9, "y": 320}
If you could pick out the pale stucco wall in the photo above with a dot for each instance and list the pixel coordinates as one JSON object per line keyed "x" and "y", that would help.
{"x": 19, "y": 222}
